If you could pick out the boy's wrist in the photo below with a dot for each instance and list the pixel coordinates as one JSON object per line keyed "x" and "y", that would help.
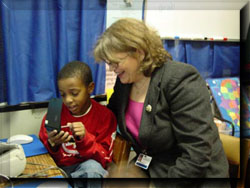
{"x": 53, "y": 146}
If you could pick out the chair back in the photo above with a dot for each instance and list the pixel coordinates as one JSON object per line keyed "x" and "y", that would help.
{"x": 232, "y": 146}
{"x": 121, "y": 150}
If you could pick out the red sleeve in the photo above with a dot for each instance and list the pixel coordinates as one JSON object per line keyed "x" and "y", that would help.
{"x": 44, "y": 138}
{"x": 100, "y": 147}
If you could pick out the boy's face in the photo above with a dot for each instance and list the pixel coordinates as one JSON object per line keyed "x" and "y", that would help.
{"x": 75, "y": 95}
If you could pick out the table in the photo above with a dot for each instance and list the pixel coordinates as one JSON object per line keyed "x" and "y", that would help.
{"x": 45, "y": 160}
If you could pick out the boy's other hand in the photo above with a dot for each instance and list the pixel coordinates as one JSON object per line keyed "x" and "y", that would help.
{"x": 78, "y": 130}
{"x": 57, "y": 139}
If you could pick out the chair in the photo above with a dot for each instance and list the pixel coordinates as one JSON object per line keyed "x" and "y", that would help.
{"x": 121, "y": 151}
{"x": 232, "y": 146}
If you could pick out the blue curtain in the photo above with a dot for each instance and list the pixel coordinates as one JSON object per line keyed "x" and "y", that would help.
{"x": 3, "y": 96}
{"x": 212, "y": 59}
{"x": 39, "y": 38}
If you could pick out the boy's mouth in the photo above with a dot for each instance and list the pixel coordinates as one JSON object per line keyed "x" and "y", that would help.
{"x": 72, "y": 108}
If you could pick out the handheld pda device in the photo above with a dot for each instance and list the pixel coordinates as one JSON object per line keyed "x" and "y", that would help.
{"x": 53, "y": 118}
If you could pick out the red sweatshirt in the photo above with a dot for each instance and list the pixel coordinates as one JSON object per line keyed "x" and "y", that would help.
{"x": 100, "y": 127}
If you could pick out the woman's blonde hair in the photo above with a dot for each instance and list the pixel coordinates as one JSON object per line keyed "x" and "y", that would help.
{"x": 130, "y": 35}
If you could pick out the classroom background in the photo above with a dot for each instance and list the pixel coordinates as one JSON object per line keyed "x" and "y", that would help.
{"x": 37, "y": 38}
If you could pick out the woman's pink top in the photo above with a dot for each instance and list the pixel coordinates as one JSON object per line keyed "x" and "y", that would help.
{"x": 133, "y": 118}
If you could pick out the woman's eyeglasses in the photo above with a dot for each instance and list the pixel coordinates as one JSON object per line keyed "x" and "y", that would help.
{"x": 116, "y": 64}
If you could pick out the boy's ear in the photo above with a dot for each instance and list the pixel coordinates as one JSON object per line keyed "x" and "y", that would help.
{"x": 91, "y": 87}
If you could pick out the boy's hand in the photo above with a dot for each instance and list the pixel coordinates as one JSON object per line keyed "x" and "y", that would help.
{"x": 78, "y": 130}
{"x": 57, "y": 139}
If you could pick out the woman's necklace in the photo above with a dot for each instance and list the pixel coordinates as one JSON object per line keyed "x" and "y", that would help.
{"x": 142, "y": 87}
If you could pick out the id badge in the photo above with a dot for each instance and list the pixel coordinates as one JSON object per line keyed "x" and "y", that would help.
{"x": 143, "y": 161}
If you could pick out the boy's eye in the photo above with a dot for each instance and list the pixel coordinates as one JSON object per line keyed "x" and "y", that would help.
{"x": 62, "y": 94}
{"x": 74, "y": 94}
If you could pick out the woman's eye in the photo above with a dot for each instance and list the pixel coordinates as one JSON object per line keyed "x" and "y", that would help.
{"x": 74, "y": 94}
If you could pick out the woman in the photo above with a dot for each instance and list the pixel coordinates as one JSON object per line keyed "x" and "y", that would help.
{"x": 161, "y": 106}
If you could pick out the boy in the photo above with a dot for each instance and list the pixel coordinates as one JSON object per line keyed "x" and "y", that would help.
{"x": 90, "y": 125}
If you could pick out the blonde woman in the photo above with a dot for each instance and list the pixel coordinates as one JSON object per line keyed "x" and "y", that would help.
{"x": 161, "y": 106}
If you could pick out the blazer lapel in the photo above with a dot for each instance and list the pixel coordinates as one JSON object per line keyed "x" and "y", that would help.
{"x": 147, "y": 114}
{"x": 149, "y": 108}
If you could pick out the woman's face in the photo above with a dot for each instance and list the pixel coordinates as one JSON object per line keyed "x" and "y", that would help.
{"x": 127, "y": 69}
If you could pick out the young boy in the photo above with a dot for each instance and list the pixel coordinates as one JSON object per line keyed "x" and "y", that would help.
{"x": 90, "y": 125}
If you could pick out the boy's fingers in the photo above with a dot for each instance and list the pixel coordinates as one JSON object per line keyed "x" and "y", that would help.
{"x": 76, "y": 129}
{"x": 52, "y": 133}
{"x": 68, "y": 138}
{"x": 70, "y": 125}
{"x": 76, "y": 124}
{"x": 65, "y": 136}
{"x": 59, "y": 135}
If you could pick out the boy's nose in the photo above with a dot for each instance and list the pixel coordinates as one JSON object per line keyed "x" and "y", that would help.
{"x": 68, "y": 99}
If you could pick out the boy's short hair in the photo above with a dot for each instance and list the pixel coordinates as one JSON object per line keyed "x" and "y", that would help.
{"x": 76, "y": 69}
